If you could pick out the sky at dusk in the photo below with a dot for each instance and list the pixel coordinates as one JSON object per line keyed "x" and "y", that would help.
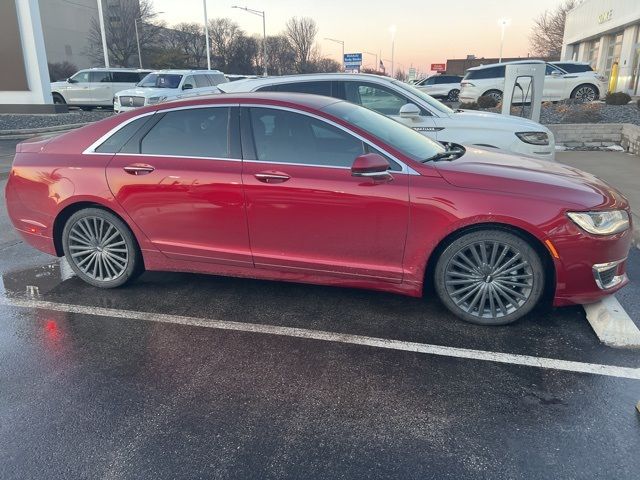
{"x": 428, "y": 31}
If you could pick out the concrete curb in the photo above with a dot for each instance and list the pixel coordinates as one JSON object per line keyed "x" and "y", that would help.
{"x": 612, "y": 324}
{"x": 24, "y": 133}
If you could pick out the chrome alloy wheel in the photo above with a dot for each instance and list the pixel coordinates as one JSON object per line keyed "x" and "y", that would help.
{"x": 488, "y": 279}
{"x": 585, "y": 94}
{"x": 98, "y": 248}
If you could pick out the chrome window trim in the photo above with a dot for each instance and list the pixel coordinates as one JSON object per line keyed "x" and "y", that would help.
{"x": 176, "y": 156}
{"x": 406, "y": 169}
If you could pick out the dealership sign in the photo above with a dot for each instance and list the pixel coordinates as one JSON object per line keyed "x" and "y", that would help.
{"x": 438, "y": 67}
{"x": 352, "y": 60}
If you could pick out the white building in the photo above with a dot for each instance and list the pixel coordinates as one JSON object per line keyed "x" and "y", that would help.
{"x": 603, "y": 32}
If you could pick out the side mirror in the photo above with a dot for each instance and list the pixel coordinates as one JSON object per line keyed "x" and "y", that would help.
{"x": 70, "y": 80}
{"x": 371, "y": 165}
{"x": 556, "y": 73}
{"x": 187, "y": 86}
{"x": 409, "y": 110}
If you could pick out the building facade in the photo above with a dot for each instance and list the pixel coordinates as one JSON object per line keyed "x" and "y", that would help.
{"x": 606, "y": 33}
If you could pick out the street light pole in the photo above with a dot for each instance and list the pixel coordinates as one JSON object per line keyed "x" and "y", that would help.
{"x": 206, "y": 34}
{"x": 341, "y": 42}
{"x": 503, "y": 23}
{"x": 103, "y": 34}
{"x": 260, "y": 13}
{"x": 376, "y": 66}
{"x": 135, "y": 23}
{"x": 392, "y": 29}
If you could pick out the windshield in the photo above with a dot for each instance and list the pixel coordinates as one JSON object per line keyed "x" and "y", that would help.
{"x": 160, "y": 80}
{"x": 404, "y": 139}
{"x": 441, "y": 107}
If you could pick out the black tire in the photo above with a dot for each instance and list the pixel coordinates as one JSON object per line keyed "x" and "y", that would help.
{"x": 492, "y": 296}
{"x": 495, "y": 94}
{"x": 58, "y": 99}
{"x": 117, "y": 257}
{"x": 86, "y": 109}
{"x": 453, "y": 95}
{"x": 585, "y": 93}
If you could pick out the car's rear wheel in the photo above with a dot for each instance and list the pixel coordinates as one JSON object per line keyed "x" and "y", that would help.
{"x": 585, "y": 93}
{"x": 58, "y": 99}
{"x": 489, "y": 277}
{"x": 495, "y": 94}
{"x": 101, "y": 249}
{"x": 453, "y": 95}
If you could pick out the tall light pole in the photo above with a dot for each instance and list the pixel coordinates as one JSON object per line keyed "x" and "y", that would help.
{"x": 392, "y": 30}
{"x": 376, "y": 66}
{"x": 206, "y": 34}
{"x": 503, "y": 22}
{"x": 260, "y": 13}
{"x": 135, "y": 23}
{"x": 341, "y": 42}
{"x": 103, "y": 34}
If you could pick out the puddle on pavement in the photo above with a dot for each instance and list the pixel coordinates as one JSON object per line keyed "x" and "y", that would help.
{"x": 36, "y": 281}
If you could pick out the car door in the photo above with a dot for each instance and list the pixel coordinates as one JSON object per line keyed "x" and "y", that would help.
{"x": 188, "y": 91}
{"x": 179, "y": 179}
{"x": 100, "y": 88}
{"x": 78, "y": 91}
{"x": 388, "y": 102}
{"x": 428, "y": 86}
{"x": 555, "y": 85}
{"x": 306, "y": 212}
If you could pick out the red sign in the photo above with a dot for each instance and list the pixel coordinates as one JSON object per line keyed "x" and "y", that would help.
{"x": 438, "y": 67}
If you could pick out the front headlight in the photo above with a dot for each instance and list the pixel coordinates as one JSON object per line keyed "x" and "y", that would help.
{"x": 534, "y": 138}
{"x": 154, "y": 100}
{"x": 606, "y": 222}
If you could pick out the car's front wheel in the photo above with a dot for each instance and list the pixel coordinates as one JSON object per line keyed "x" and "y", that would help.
{"x": 101, "y": 249}
{"x": 489, "y": 277}
{"x": 495, "y": 94}
{"x": 58, "y": 99}
{"x": 453, "y": 95}
{"x": 585, "y": 93}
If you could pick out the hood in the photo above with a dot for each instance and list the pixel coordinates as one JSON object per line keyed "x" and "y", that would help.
{"x": 146, "y": 92}
{"x": 60, "y": 84}
{"x": 532, "y": 177}
{"x": 499, "y": 121}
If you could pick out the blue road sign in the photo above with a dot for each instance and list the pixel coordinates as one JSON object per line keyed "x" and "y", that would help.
{"x": 352, "y": 59}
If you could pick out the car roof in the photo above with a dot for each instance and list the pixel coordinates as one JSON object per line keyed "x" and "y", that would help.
{"x": 183, "y": 72}
{"x": 251, "y": 83}
{"x": 115, "y": 69}
{"x": 516, "y": 62}
{"x": 316, "y": 102}
{"x": 572, "y": 62}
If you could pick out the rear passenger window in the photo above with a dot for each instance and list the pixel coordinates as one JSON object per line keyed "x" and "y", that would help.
{"x": 493, "y": 72}
{"x": 197, "y": 132}
{"x": 97, "y": 77}
{"x": 217, "y": 78}
{"x": 116, "y": 141}
{"x": 202, "y": 81}
{"x": 314, "y": 88}
{"x": 125, "y": 77}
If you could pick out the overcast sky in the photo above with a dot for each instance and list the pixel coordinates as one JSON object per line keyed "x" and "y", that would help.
{"x": 428, "y": 31}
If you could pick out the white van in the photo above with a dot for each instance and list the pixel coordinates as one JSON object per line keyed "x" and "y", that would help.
{"x": 95, "y": 87}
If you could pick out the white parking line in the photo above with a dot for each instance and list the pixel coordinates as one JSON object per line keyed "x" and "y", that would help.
{"x": 509, "y": 358}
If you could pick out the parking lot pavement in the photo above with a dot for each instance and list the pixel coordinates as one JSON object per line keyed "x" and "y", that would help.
{"x": 7, "y": 150}
{"x": 107, "y": 392}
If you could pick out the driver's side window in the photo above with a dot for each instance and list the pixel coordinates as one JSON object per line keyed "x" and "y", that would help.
{"x": 375, "y": 97}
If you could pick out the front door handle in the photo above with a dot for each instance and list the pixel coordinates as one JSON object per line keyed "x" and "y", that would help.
{"x": 138, "y": 169}
{"x": 272, "y": 177}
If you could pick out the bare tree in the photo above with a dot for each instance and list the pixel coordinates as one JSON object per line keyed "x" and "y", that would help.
{"x": 120, "y": 30}
{"x": 548, "y": 30}
{"x": 189, "y": 39}
{"x": 281, "y": 59}
{"x": 301, "y": 33}
{"x": 326, "y": 65}
{"x": 223, "y": 33}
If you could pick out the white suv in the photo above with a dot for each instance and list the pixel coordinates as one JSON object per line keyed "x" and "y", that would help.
{"x": 416, "y": 109}
{"x": 488, "y": 80}
{"x": 95, "y": 87}
{"x": 441, "y": 86}
{"x": 165, "y": 85}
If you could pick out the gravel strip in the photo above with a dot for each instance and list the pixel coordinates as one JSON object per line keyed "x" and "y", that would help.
{"x": 11, "y": 121}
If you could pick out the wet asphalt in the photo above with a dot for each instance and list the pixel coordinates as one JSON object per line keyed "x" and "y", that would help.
{"x": 84, "y": 396}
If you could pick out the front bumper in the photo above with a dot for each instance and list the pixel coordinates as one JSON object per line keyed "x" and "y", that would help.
{"x": 119, "y": 108}
{"x": 590, "y": 267}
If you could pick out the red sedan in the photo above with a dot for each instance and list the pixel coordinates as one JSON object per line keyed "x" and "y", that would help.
{"x": 311, "y": 189}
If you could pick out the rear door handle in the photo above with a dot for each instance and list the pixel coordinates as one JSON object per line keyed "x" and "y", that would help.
{"x": 138, "y": 169}
{"x": 272, "y": 177}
